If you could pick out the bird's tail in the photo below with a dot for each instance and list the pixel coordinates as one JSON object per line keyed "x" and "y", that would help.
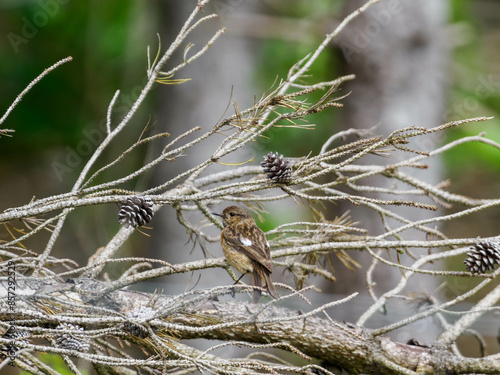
{"x": 270, "y": 286}
{"x": 257, "y": 281}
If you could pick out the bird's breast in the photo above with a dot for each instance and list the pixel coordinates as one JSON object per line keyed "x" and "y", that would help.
{"x": 238, "y": 260}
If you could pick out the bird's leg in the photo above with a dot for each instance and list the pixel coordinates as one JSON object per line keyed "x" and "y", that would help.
{"x": 237, "y": 281}
{"x": 233, "y": 290}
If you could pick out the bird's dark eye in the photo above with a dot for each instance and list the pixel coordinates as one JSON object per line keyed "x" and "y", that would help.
{"x": 232, "y": 214}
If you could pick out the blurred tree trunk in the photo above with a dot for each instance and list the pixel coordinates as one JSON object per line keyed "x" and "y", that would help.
{"x": 399, "y": 54}
{"x": 220, "y": 78}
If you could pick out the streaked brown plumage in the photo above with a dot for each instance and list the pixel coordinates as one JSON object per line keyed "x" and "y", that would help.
{"x": 246, "y": 248}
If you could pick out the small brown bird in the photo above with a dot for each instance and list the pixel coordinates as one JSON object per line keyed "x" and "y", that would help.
{"x": 246, "y": 249}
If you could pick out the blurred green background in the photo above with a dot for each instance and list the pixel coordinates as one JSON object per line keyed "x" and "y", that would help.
{"x": 66, "y": 111}
{"x": 108, "y": 40}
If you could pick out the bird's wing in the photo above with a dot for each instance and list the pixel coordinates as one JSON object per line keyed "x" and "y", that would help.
{"x": 251, "y": 241}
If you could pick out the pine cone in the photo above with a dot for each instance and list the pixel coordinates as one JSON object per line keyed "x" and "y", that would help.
{"x": 16, "y": 336}
{"x": 136, "y": 211}
{"x": 277, "y": 168}
{"x": 483, "y": 257}
{"x": 67, "y": 341}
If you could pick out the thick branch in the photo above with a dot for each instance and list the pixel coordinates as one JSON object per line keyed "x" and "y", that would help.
{"x": 196, "y": 316}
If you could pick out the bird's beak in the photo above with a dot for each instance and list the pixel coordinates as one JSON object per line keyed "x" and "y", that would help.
{"x": 217, "y": 214}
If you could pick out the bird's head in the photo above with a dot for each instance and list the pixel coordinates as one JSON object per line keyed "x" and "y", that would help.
{"x": 233, "y": 214}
